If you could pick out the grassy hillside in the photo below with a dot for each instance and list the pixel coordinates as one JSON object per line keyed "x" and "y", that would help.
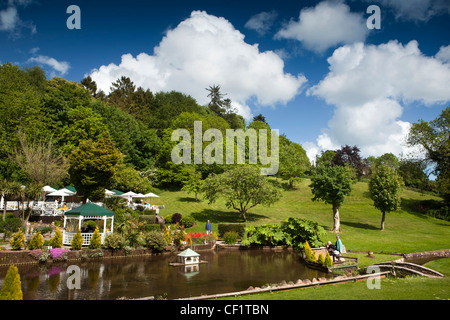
{"x": 406, "y": 230}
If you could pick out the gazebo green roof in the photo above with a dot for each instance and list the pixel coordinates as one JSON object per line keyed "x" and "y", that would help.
{"x": 188, "y": 253}
{"x": 117, "y": 192}
{"x": 89, "y": 209}
{"x": 71, "y": 188}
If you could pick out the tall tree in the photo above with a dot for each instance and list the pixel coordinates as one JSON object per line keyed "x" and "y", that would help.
{"x": 434, "y": 137}
{"x": 92, "y": 167}
{"x": 39, "y": 160}
{"x": 331, "y": 184}
{"x": 90, "y": 85}
{"x": 385, "y": 187}
{"x": 293, "y": 161}
{"x": 242, "y": 187}
{"x": 350, "y": 156}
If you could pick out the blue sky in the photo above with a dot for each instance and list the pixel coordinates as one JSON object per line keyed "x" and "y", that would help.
{"x": 312, "y": 68}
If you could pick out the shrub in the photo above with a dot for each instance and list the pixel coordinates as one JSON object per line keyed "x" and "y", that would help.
{"x": 230, "y": 237}
{"x": 10, "y": 225}
{"x": 167, "y": 235}
{"x": 56, "y": 241}
{"x": 44, "y": 229}
{"x": 297, "y": 231}
{"x": 264, "y": 235}
{"x": 309, "y": 254}
{"x": 222, "y": 228}
{"x": 328, "y": 260}
{"x": 155, "y": 240}
{"x": 18, "y": 241}
{"x": 96, "y": 240}
{"x": 152, "y": 227}
{"x": 187, "y": 221}
{"x": 148, "y": 219}
{"x": 37, "y": 242}
{"x": 176, "y": 217}
{"x": 77, "y": 241}
{"x": 168, "y": 219}
{"x": 114, "y": 241}
{"x": 12, "y": 286}
{"x": 321, "y": 259}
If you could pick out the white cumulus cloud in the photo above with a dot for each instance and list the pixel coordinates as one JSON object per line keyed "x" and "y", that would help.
{"x": 206, "y": 50}
{"x": 60, "y": 66}
{"x": 368, "y": 84}
{"x": 326, "y": 25}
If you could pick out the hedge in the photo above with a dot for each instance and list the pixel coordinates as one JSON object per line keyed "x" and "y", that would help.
{"x": 239, "y": 228}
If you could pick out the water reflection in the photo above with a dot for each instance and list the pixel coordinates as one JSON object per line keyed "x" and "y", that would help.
{"x": 226, "y": 271}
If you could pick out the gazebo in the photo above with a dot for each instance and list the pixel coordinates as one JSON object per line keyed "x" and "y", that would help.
{"x": 74, "y": 218}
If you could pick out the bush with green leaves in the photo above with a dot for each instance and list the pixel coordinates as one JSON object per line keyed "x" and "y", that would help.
{"x": 10, "y": 225}
{"x": 321, "y": 259}
{"x": 264, "y": 235}
{"x": 57, "y": 240}
{"x": 309, "y": 254}
{"x": 328, "y": 261}
{"x": 18, "y": 241}
{"x": 155, "y": 240}
{"x": 77, "y": 241}
{"x": 44, "y": 229}
{"x": 225, "y": 227}
{"x": 96, "y": 240}
{"x": 12, "y": 286}
{"x": 297, "y": 231}
{"x": 187, "y": 221}
{"x": 114, "y": 241}
{"x": 230, "y": 237}
{"x": 37, "y": 242}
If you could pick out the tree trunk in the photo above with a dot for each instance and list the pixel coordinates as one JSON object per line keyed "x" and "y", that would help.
{"x": 337, "y": 221}
{"x": 382, "y": 221}
{"x": 243, "y": 212}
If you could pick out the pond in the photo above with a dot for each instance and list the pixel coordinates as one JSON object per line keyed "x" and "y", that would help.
{"x": 110, "y": 279}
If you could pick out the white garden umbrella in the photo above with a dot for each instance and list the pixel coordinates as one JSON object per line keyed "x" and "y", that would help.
{"x": 61, "y": 193}
{"x": 150, "y": 195}
{"x": 48, "y": 189}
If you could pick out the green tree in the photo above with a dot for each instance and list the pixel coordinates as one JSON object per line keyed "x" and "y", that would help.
{"x": 293, "y": 161}
{"x": 92, "y": 167}
{"x": 12, "y": 286}
{"x": 242, "y": 187}
{"x": 434, "y": 138}
{"x": 193, "y": 182}
{"x": 331, "y": 184}
{"x": 385, "y": 187}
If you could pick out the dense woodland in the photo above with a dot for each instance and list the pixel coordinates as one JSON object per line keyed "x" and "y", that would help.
{"x": 56, "y": 132}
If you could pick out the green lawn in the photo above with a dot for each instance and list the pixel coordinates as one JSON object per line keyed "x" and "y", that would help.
{"x": 406, "y": 231}
{"x": 410, "y": 288}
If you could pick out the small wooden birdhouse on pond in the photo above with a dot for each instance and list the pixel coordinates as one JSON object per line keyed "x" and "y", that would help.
{"x": 188, "y": 256}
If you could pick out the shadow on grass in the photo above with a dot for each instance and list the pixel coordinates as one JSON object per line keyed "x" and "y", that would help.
{"x": 188, "y": 199}
{"x": 360, "y": 225}
{"x": 217, "y": 216}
